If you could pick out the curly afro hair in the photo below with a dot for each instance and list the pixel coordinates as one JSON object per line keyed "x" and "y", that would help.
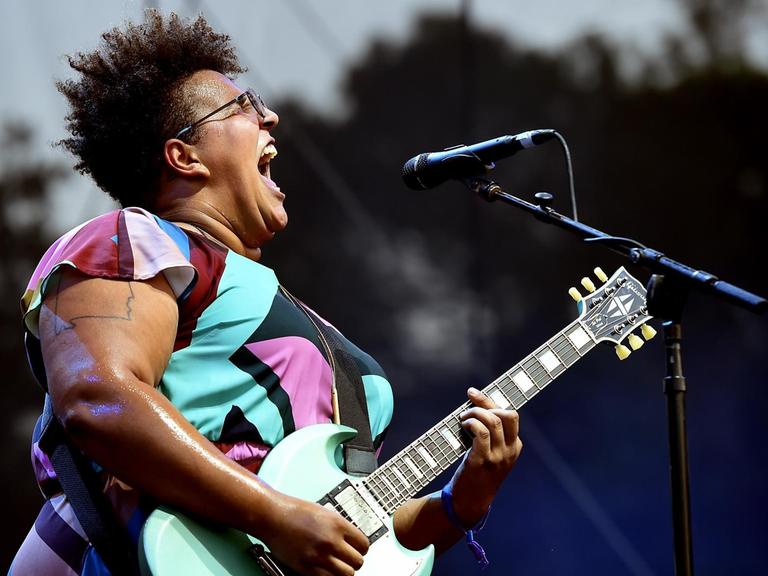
{"x": 128, "y": 100}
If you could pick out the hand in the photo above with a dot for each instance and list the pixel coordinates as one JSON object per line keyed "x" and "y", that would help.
{"x": 315, "y": 541}
{"x": 495, "y": 449}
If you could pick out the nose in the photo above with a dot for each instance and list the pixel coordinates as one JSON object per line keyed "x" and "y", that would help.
{"x": 271, "y": 119}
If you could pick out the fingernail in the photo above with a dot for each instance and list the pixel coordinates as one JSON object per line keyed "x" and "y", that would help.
{"x": 474, "y": 391}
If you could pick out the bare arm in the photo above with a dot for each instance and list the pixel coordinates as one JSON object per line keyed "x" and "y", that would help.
{"x": 495, "y": 449}
{"x": 105, "y": 345}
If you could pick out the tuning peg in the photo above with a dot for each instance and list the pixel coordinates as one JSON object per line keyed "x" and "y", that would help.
{"x": 602, "y": 276}
{"x": 648, "y": 331}
{"x": 635, "y": 342}
{"x": 575, "y": 294}
{"x": 622, "y": 351}
{"x": 588, "y": 284}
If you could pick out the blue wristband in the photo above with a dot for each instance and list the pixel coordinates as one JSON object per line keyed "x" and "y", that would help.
{"x": 446, "y": 497}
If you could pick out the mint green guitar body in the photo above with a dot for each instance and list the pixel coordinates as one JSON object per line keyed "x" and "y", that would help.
{"x": 302, "y": 465}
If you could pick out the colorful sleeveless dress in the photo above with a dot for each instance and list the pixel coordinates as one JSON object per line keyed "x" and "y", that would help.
{"x": 247, "y": 368}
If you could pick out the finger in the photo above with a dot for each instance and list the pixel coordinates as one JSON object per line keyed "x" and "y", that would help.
{"x": 479, "y": 399}
{"x": 510, "y": 422}
{"x": 350, "y": 556}
{"x": 491, "y": 421}
{"x": 338, "y": 567}
{"x": 356, "y": 539}
{"x": 481, "y": 436}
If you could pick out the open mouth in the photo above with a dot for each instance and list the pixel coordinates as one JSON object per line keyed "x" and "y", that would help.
{"x": 267, "y": 155}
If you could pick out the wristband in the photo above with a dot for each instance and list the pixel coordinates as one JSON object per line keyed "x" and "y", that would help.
{"x": 446, "y": 497}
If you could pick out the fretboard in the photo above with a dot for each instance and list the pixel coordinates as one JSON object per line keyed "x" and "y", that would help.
{"x": 424, "y": 459}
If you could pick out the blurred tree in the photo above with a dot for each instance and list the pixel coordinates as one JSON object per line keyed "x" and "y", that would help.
{"x": 720, "y": 28}
{"x": 643, "y": 153}
{"x": 24, "y": 184}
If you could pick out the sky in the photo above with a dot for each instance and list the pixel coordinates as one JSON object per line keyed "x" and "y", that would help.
{"x": 301, "y": 47}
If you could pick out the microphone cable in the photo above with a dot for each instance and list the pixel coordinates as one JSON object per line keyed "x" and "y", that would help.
{"x": 569, "y": 168}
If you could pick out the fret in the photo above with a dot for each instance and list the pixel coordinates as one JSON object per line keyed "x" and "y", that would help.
{"x": 391, "y": 494}
{"x": 537, "y": 374}
{"x": 578, "y": 336}
{"x": 377, "y": 489}
{"x": 435, "y": 446}
{"x": 410, "y": 463}
{"x": 566, "y": 350}
{"x": 407, "y": 467}
{"x": 512, "y": 390}
{"x": 390, "y": 486}
{"x": 551, "y": 363}
{"x": 449, "y": 436}
{"x": 496, "y": 394}
{"x": 400, "y": 476}
{"x": 389, "y": 477}
{"x": 426, "y": 456}
{"x": 523, "y": 381}
{"x": 431, "y": 443}
{"x": 449, "y": 442}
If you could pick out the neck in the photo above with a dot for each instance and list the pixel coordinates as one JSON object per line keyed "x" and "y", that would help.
{"x": 205, "y": 218}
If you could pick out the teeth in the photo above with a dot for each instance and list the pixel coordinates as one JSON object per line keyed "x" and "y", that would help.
{"x": 269, "y": 153}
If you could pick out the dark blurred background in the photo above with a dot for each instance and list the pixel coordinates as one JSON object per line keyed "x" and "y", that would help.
{"x": 448, "y": 291}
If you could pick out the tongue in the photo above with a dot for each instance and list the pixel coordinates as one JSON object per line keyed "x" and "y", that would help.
{"x": 270, "y": 182}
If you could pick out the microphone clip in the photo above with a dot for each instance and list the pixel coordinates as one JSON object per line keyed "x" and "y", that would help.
{"x": 488, "y": 190}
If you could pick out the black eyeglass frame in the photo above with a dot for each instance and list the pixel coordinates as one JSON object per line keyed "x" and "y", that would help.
{"x": 256, "y": 102}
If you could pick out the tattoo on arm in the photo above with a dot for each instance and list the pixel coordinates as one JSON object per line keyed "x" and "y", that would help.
{"x": 61, "y": 325}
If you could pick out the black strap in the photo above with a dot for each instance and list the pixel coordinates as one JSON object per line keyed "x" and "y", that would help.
{"x": 81, "y": 484}
{"x": 359, "y": 453}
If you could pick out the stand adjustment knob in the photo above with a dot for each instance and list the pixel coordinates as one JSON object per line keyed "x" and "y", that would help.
{"x": 544, "y": 200}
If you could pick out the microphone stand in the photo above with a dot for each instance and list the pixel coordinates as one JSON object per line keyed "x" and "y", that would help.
{"x": 668, "y": 289}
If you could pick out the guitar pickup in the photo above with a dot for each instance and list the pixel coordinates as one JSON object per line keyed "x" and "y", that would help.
{"x": 347, "y": 501}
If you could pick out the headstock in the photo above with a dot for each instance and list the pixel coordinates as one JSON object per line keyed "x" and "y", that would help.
{"x": 611, "y": 313}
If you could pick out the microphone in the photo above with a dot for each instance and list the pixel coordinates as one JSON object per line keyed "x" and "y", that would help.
{"x": 433, "y": 168}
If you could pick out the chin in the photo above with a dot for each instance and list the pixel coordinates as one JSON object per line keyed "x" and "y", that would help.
{"x": 280, "y": 221}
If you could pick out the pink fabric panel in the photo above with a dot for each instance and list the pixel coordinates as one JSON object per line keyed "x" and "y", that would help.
{"x": 247, "y": 452}
{"x": 311, "y": 394}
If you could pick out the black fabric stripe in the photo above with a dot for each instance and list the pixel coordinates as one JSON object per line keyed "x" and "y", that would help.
{"x": 237, "y": 428}
{"x": 245, "y": 360}
{"x": 60, "y": 537}
{"x": 379, "y": 440}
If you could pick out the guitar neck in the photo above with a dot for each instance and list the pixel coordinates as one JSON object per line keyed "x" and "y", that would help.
{"x": 423, "y": 460}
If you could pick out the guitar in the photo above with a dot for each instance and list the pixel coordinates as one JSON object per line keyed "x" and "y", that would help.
{"x": 303, "y": 464}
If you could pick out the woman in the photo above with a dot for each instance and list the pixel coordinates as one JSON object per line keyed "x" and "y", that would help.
{"x": 174, "y": 360}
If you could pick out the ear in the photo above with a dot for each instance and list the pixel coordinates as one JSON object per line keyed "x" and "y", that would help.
{"x": 183, "y": 160}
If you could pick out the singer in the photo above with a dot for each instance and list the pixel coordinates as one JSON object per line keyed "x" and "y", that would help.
{"x": 175, "y": 361}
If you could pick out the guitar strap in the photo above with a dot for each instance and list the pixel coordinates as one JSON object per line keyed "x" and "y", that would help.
{"x": 80, "y": 482}
{"x": 359, "y": 453}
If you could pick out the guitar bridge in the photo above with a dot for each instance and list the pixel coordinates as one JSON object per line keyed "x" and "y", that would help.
{"x": 264, "y": 560}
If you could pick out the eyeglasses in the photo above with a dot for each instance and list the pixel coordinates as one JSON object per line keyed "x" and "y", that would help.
{"x": 249, "y": 95}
